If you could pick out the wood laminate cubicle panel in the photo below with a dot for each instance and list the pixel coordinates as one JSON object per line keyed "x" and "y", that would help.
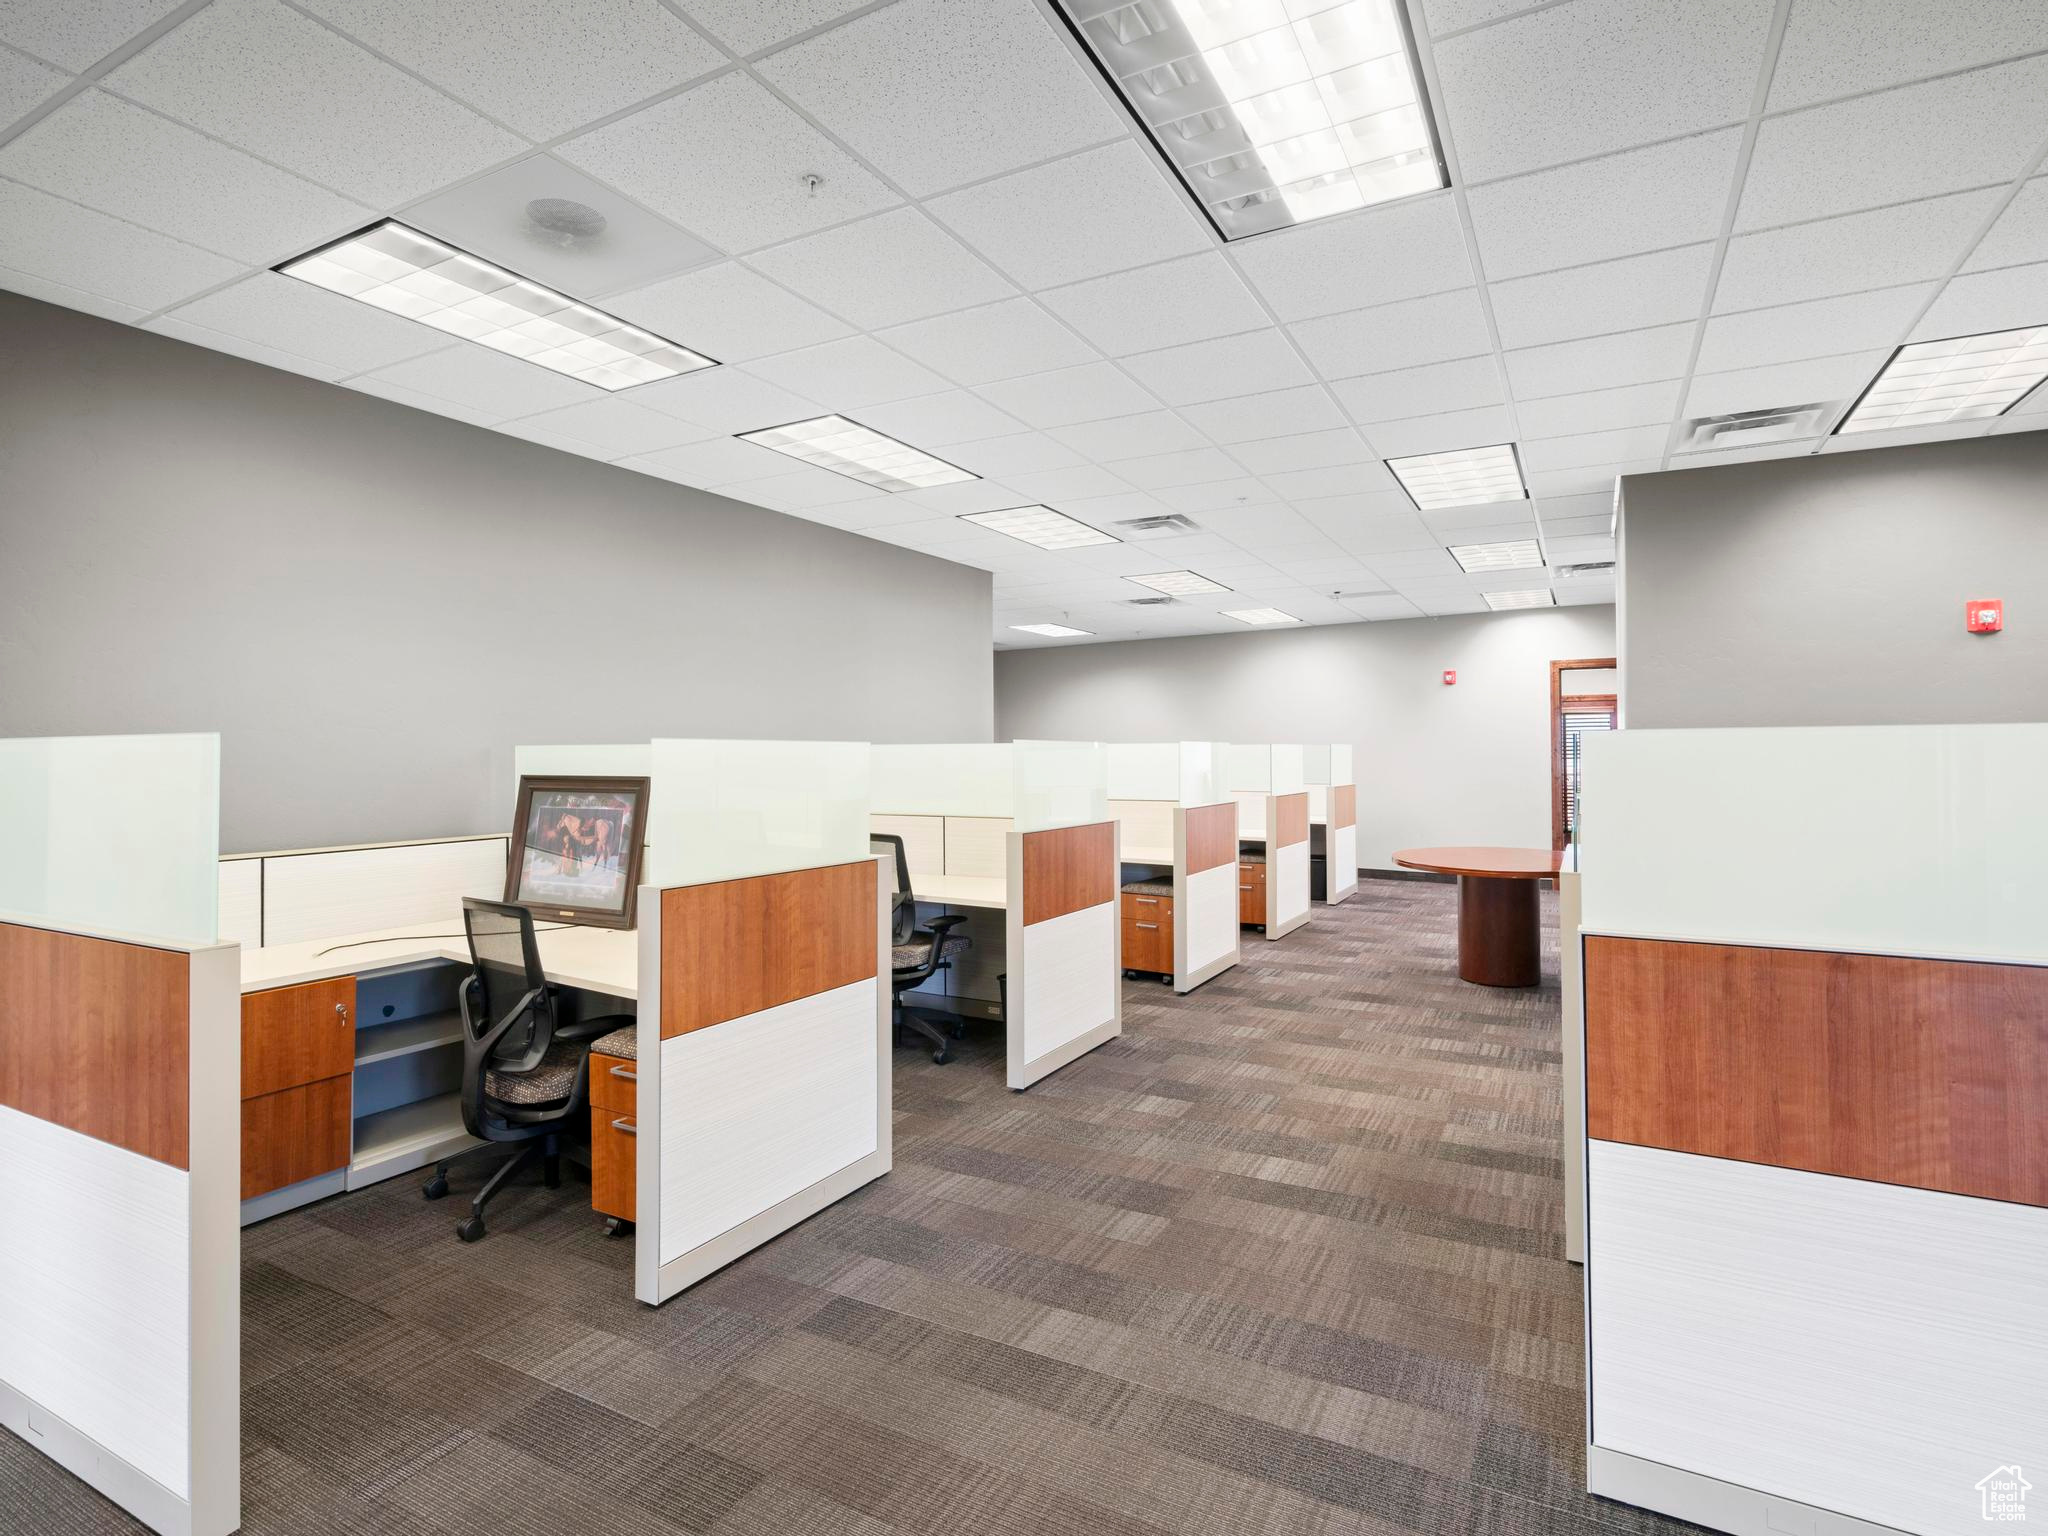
{"x": 743, "y": 946}
{"x": 1206, "y": 929}
{"x": 1212, "y": 836}
{"x": 1340, "y": 846}
{"x": 1068, "y": 869}
{"x": 1065, "y": 994}
{"x": 1287, "y": 884}
{"x": 1929, "y": 1073}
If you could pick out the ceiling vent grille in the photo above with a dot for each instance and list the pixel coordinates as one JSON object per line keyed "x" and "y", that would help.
{"x": 1739, "y": 429}
{"x": 1588, "y": 568}
{"x": 1169, "y": 522}
{"x": 1150, "y": 602}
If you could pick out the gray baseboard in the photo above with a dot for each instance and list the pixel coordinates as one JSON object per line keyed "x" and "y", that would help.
{"x": 1712, "y": 1503}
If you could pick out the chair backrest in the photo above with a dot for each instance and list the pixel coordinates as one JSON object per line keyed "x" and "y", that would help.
{"x": 902, "y": 901}
{"x": 505, "y": 962}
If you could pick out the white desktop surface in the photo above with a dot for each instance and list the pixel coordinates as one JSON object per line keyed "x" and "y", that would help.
{"x": 964, "y": 891}
{"x": 603, "y": 960}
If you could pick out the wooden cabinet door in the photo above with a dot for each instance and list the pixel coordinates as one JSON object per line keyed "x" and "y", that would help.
{"x": 614, "y": 1164}
{"x": 614, "y": 1083}
{"x": 297, "y": 1035}
{"x": 294, "y": 1134}
{"x": 1251, "y": 893}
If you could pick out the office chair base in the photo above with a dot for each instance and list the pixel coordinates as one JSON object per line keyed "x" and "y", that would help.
{"x": 436, "y": 1188}
{"x": 470, "y": 1229}
{"x": 925, "y": 1029}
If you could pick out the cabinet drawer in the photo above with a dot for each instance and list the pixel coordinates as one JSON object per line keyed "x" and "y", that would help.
{"x": 1148, "y": 934}
{"x": 1251, "y": 893}
{"x": 297, "y": 1035}
{"x": 614, "y": 1163}
{"x": 612, "y": 1083}
{"x": 294, "y": 1134}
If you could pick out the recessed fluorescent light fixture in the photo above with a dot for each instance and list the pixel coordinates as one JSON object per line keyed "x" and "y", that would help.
{"x": 1513, "y": 555}
{"x": 848, "y": 448}
{"x": 1042, "y": 526}
{"x": 411, "y": 274}
{"x": 1178, "y": 583}
{"x": 1966, "y": 378}
{"x": 1536, "y": 597}
{"x": 1260, "y": 616}
{"x": 1051, "y": 631}
{"x": 1463, "y": 477}
{"x": 1272, "y": 112}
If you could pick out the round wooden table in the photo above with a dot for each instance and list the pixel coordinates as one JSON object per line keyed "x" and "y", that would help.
{"x": 1499, "y": 938}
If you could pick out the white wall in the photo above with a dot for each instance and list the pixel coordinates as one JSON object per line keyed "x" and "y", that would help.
{"x": 1463, "y": 764}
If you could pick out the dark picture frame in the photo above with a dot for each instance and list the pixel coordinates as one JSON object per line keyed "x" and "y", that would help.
{"x": 574, "y": 840}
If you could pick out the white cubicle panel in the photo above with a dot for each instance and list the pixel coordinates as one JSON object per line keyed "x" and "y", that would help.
{"x": 723, "y": 809}
{"x": 924, "y": 844}
{"x": 978, "y": 847}
{"x": 240, "y": 910}
{"x": 325, "y": 893}
{"x": 1144, "y": 830}
{"x": 1065, "y": 992}
{"x": 1251, "y": 813}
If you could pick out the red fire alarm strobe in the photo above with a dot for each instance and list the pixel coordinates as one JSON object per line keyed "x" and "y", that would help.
{"x": 1450, "y": 677}
{"x": 1984, "y": 615}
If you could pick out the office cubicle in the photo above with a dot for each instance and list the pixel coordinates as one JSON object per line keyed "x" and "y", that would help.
{"x": 1332, "y": 817}
{"x": 120, "y": 1273}
{"x": 1817, "y": 1298}
{"x": 1266, "y": 781}
{"x": 1177, "y": 840}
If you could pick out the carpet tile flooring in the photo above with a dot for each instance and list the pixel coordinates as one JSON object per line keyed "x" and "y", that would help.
{"x": 1283, "y": 1260}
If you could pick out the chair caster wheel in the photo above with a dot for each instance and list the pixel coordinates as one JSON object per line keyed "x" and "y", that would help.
{"x": 470, "y": 1228}
{"x": 941, "y": 1056}
{"x": 436, "y": 1188}
{"x": 617, "y": 1226}
{"x": 1130, "y": 975}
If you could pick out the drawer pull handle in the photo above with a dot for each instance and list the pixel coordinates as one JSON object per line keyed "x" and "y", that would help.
{"x": 626, "y": 1073}
{"x": 1147, "y": 901}
{"x": 1244, "y": 887}
{"x": 1148, "y": 925}
{"x": 627, "y": 1126}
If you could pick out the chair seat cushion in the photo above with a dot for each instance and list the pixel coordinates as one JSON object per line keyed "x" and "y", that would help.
{"x": 1151, "y": 887}
{"x": 1251, "y": 856}
{"x": 624, "y": 1041}
{"x": 911, "y": 956}
{"x": 553, "y": 1077}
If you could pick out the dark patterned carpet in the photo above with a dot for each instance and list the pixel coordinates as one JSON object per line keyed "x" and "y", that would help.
{"x": 1284, "y": 1258}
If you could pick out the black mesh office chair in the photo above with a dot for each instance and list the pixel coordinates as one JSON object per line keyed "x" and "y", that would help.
{"x": 525, "y": 1072}
{"x": 918, "y": 953}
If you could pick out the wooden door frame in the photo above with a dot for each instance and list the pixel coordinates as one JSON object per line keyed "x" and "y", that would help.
{"x": 1557, "y": 698}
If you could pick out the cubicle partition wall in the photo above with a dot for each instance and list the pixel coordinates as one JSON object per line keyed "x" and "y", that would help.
{"x": 120, "y": 1272}
{"x": 1333, "y": 817}
{"x": 1173, "y": 814}
{"x": 1272, "y": 798}
{"x": 320, "y": 893}
{"x": 764, "y": 1060}
{"x": 1816, "y": 1080}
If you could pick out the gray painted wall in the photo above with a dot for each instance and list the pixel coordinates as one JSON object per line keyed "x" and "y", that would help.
{"x": 1830, "y": 590}
{"x": 1463, "y": 764}
{"x": 374, "y": 605}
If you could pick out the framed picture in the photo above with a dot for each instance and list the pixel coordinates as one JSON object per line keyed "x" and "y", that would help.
{"x": 576, "y": 846}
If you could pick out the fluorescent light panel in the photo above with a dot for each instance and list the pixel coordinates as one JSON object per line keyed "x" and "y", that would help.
{"x": 1260, "y": 616}
{"x": 1274, "y": 112}
{"x": 1965, "y": 378}
{"x": 1052, "y": 631}
{"x": 401, "y": 270}
{"x": 1042, "y": 526}
{"x": 1178, "y": 583}
{"x": 1535, "y": 597}
{"x": 848, "y": 448}
{"x": 1513, "y": 555}
{"x": 1463, "y": 477}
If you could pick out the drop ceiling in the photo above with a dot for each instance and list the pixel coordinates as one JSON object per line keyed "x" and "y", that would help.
{"x": 933, "y": 218}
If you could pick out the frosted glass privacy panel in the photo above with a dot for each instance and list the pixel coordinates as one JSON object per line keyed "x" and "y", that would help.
{"x": 1340, "y": 764}
{"x": 1287, "y": 770}
{"x": 1144, "y": 770}
{"x": 1315, "y": 765}
{"x": 626, "y": 760}
{"x": 944, "y": 779}
{"x": 720, "y": 810}
{"x": 1060, "y": 784}
{"x": 113, "y": 834}
{"x": 1248, "y": 768}
{"x": 1201, "y": 773}
{"x": 1909, "y": 839}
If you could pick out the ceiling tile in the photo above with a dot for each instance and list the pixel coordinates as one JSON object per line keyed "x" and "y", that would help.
{"x": 1058, "y": 485}
{"x": 435, "y": 405}
{"x": 734, "y": 186}
{"x": 995, "y": 341}
{"x": 1463, "y": 384}
{"x": 1388, "y": 607}
{"x": 1599, "y": 410}
{"x": 150, "y": 171}
{"x": 1379, "y": 503}
{"x": 1374, "y": 256}
{"x": 2006, "y": 299}
{"x": 1192, "y": 299}
{"x": 1572, "y": 367}
{"x": 1220, "y": 369}
{"x": 1128, "y": 437}
{"x": 1599, "y": 525}
{"x": 49, "y": 238}
{"x": 1276, "y": 413}
{"x": 1624, "y": 295}
{"x": 726, "y": 400}
{"x": 1214, "y": 495}
{"x": 296, "y": 317}
{"x": 1574, "y": 551}
{"x": 1917, "y": 141}
{"x": 251, "y": 72}
{"x": 1092, "y": 392}
{"x": 727, "y": 312}
{"x": 748, "y": 26}
{"x": 537, "y": 66}
{"x": 1552, "y": 453}
{"x": 937, "y": 93}
{"x": 933, "y": 421}
{"x": 239, "y": 346}
{"x": 1819, "y": 328}
{"x": 1299, "y": 485}
{"x": 1590, "y": 480}
{"x": 883, "y": 271}
{"x": 1595, "y": 76}
{"x": 1102, "y": 211}
{"x": 31, "y": 286}
{"x": 487, "y": 381}
{"x": 1416, "y": 565}
{"x": 1015, "y": 453}
{"x": 966, "y": 496}
{"x": 808, "y": 487}
{"x": 1564, "y": 514}
{"x": 1162, "y": 471}
{"x": 1843, "y": 47}
{"x": 77, "y": 34}
{"x": 717, "y": 461}
{"x": 845, "y": 374}
{"x": 2021, "y": 233}
{"x": 1306, "y": 450}
{"x": 1440, "y": 434}
{"x": 1878, "y": 249}
{"x": 1379, "y": 340}
{"x": 1618, "y": 205}
{"x": 612, "y": 428}
{"x": 25, "y": 84}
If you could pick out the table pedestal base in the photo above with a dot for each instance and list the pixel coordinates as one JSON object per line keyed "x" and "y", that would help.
{"x": 1498, "y": 934}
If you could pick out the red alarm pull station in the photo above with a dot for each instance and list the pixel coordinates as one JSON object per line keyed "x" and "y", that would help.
{"x": 1985, "y": 615}
{"x": 1450, "y": 676}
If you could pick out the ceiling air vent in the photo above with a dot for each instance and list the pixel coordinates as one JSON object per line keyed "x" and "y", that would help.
{"x": 1588, "y": 568}
{"x": 1170, "y": 522}
{"x": 1739, "y": 429}
{"x": 1150, "y": 602}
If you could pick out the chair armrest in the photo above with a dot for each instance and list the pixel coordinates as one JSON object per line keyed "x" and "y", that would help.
{"x": 944, "y": 924}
